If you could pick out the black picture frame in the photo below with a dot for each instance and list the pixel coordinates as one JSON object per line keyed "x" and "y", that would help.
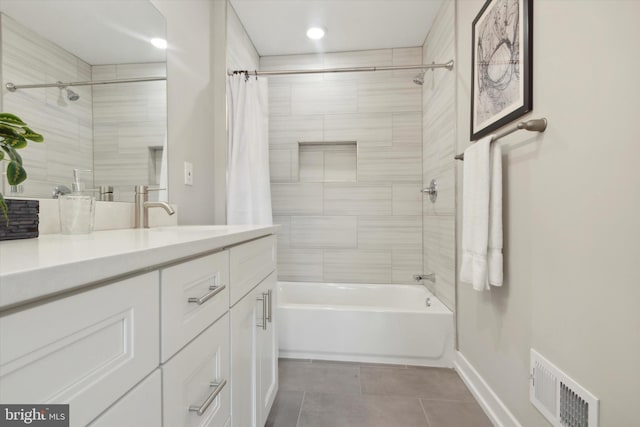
{"x": 501, "y": 65}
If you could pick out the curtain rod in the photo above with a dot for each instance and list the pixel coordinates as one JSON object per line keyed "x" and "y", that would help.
{"x": 533, "y": 125}
{"x": 13, "y": 87}
{"x": 448, "y": 66}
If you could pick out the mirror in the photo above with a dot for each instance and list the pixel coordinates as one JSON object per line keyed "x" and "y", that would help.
{"x": 116, "y": 130}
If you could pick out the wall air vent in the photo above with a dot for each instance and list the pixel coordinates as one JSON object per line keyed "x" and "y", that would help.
{"x": 559, "y": 398}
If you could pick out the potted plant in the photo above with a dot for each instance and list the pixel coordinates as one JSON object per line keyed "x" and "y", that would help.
{"x": 14, "y": 135}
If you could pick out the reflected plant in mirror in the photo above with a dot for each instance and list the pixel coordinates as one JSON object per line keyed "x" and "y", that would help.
{"x": 14, "y": 135}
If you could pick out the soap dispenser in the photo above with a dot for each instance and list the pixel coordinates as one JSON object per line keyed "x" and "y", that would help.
{"x": 77, "y": 209}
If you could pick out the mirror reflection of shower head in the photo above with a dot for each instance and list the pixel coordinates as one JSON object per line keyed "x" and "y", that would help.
{"x": 419, "y": 79}
{"x": 71, "y": 95}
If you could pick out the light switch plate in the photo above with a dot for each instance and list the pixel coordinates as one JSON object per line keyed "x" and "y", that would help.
{"x": 188, "y": 173}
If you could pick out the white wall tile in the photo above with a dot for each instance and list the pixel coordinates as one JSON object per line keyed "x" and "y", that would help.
{"x": 311, "y": 167}
{"x": 404, "y": 264}
{"x": 280, "y": 165}
{"x": 377, "y": 164}
{"x": 396, "y": 232}
{"x": 287, "y": 131}
{"x": 371, "y": 130}
{"x": 407, "y": 198}
{"x": 284, "y": 232}
{"x": 357, "y": 266}
{"x": 296, "y": 198}
{"x": 393, "y": 94}
{"x": 324, "y": 231}
{"x": 407, "y": 56}
{"x": 340, "y": 166}
{"x": 439, "y": 255}
{"x": 305, "y": 265}
{"x": 279, "y": 99}
{"x": 357, "y": 199}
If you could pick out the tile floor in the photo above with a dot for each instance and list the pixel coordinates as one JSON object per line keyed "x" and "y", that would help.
{"x": 343, "y": 394}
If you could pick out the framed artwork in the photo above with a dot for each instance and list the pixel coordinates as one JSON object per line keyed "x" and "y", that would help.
{"x": 501, "y": 70}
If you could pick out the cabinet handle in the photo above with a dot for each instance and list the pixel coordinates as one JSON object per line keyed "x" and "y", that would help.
{"x": 264, "y": 311}
{"x": 205, "y": 405}
{"x": 215, "y": 290}
{"x": 269, "y": 316}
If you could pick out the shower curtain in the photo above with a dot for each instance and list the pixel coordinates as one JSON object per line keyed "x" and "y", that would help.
{"x": 248, "y": 186}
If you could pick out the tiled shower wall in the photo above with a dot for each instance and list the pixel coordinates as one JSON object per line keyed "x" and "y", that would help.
{"x": 28, "y": 58}
{"x": 439, "y": 142}
{"x": 346, "y": 218}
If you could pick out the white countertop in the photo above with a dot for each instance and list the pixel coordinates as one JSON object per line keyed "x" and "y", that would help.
{"x": 51, "y": 264}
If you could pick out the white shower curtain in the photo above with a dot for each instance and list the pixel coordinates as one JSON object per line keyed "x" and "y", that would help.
{"x": 248, "y": 187}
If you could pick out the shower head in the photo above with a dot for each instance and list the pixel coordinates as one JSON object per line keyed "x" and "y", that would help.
{"x": 71, "y": 95}
{"x": 419, "y": 79}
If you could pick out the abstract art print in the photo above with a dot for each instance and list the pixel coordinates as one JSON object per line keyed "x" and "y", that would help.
{"x": 501, "y": 77}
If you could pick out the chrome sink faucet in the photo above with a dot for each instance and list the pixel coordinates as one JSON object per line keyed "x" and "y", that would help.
{"x": 142, "y": 205}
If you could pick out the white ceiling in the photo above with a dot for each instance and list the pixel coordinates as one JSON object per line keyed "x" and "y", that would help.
{"x": 278, "y": 27}
{"x": 97, "y": 31}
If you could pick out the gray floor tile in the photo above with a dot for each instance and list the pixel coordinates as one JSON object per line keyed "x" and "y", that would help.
{"x": 429, "y": 383}
{"x": 371, "y": 365}
{"x": 331, "y": 410}
{"x": 286, "y": 409}
{"x": 319, "y": 378}
{"x": 443, "y": 413}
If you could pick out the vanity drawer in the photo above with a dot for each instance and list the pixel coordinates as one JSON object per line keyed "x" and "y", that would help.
{"x": 138, "y": 408}
{"x": 198, "y": 378}
{"x": 86, "y": 350}
{"x": 193, "y": 295}
{"x": 250, "y": 264}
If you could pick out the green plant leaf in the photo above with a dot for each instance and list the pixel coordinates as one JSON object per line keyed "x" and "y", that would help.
{"x": 32, "y": 136}
{"x": 13, "y": 154}
{"x": 3, "y": 207}
{"x": 11, "y": 120}
{"x": 8, "y": 131}
{"x": 16, "y": 143}
{"x": 15, "y": 173}
{"x": 1, "y": 155}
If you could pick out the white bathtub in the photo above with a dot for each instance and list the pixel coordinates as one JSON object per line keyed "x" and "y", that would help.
{"x": 364, "y": 323}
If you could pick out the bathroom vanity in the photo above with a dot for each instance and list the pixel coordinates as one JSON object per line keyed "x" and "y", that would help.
{"x": 171, "y": 326}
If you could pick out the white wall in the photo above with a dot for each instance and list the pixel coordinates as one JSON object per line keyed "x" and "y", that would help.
{"x": 192, "y": 34}
{"x": 347, "y": 217}
{"x": 571, "y": 202}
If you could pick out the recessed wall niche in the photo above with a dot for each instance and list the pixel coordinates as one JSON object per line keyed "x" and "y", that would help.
{"x": 334, "y": 161}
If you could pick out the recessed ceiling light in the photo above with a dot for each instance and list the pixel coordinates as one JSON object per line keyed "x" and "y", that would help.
{"x": 159, "y": 43}
{"x": 315, "y": 33}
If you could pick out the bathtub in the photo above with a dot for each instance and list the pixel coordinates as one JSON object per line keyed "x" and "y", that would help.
{"x": 364, "y": 323}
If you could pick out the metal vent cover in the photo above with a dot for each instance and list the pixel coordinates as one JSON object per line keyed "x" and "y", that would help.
{"x": 559, "y": 398}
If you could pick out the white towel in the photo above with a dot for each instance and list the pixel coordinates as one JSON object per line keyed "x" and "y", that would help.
{"x": 482, "y": 215}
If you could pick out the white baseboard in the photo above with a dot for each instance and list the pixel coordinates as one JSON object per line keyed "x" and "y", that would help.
{"x": 495, "y": 409}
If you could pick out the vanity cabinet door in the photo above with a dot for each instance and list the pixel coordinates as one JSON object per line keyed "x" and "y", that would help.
{"x": 243, "y": 369}
{"x": 195, "y": 391}
{"x": 266, "y": 350}
{"x": 138, "y": 408}
{"x": 86, "y": 349}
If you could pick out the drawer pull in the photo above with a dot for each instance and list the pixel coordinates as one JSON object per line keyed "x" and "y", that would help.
{"x": 270, "y": 306}
{"x": 215, "y": 290}
{"x": 205, "y": 405}
{"x": 264, "y": 311}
